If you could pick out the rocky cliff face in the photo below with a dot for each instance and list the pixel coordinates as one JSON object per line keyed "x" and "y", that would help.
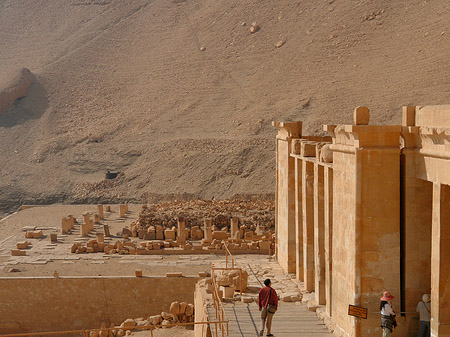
{"x": 178, "y": 95}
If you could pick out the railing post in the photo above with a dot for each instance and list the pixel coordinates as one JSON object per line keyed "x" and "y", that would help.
{"x": 240, "y": 280}
{"x": 217, "y": 333}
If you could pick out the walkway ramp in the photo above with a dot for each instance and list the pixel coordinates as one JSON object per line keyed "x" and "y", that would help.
{"x": 290, "y": 320}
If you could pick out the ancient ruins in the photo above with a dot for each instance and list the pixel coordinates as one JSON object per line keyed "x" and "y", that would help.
{"x": 357, "y": 212}
{"x": 365, "y": 210}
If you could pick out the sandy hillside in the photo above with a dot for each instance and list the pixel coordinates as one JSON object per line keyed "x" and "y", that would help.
{"x": 178, "y": 95}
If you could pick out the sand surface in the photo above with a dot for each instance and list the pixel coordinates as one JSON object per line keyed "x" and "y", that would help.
{"x": 44, "y": 258}
{"x": 179, "y": 95}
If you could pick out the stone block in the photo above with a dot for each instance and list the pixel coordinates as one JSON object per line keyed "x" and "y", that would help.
{"x": 54, "y": 237}
{"x": 66, "y": 225}
{"x": 159, "y": 233}
{"x": 264, "y": 244}
{"x": 361, "y": 115}
{"x": 308, "y": 149}
{"x": 247, "y": 299}
{"x": 296, "y": 146}
{"x": 18, "y": 252}
{"x": 106, "y": 230}
{"x": 228, "y": 292}
{"x": 174, "y": 274}
{"x": 100, "y": 237}
{"x": 22, "y": 245}
{"x": 219, "y": 235}
{"x": 326, "y": 155}
{"x": 138, "y": 272}
{"x": 169, "y": 234}
{"x": 38, "y": 234}
{"x": 29, "y": 235}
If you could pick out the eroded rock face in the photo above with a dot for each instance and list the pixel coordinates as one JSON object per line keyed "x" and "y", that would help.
{"x": 15, "y": 89}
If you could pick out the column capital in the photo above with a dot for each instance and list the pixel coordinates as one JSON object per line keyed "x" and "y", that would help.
{"x": 288, "y": 129}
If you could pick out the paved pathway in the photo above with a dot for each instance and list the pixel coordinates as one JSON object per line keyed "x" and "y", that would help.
{"x": 291, "y": 318}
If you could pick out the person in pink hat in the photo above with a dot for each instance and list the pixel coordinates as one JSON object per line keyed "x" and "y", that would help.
{"x": 388, "y": 322}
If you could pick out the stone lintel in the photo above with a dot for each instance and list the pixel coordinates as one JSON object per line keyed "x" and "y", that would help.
{"x": 358, "y": 136}
{"x": 288, "y": 129}
{"x": 432, "y": 115}
{"x": 435, "y": 141}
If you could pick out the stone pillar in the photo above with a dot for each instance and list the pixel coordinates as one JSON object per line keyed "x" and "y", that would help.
{"x": 328, "y": 219}
{"x": 87, "y": 221}
{"x": 285, "y": 195}
{"x": 106, "y": 229}
{"x": 440, "y": 257}
{"x": 72, "y": 221}
{"x": 234, "y": 228}
{"x": 122, "y": 211}
{"x": 66, "y": 225}
{"x": 319, "y": 232}
{"x": 366, "y": 222}
{"x": 416, "y": 220}
{"x": 207, "y": 230}
{"x": 181, "y": 231}
{"x": 308, "y": 224}
{"x": 101, "y": 212}
{"x": 299, "y": 272}
{"x": 96, "y": 218}
{"x": 85, "y": 229}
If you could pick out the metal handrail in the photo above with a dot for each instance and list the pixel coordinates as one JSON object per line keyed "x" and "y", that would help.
{"x": 221, "y": 315}
{"x": 86, "y": 332}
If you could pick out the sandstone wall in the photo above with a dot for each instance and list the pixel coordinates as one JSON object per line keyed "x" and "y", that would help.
{"x": 52, "y": 304}
{"x": 17, "y": 88}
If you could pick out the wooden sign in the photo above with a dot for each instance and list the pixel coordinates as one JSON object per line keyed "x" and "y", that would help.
{"x": 357, "y": 311}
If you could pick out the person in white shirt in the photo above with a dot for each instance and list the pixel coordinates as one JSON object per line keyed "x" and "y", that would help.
{"x": 424, "y": 310}
{"x": 388, "y": 322}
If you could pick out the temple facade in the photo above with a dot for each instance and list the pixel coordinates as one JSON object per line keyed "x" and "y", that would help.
{"x": 367, "y": 209}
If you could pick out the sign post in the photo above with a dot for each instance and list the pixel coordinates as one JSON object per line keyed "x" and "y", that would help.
{"x": 356, "y": 311}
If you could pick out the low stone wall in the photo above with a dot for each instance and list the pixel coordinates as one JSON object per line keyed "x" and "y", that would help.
{"x": 201, "y": 313}
{"x": 17, "y": 88}
{"x": 64, "y": 303}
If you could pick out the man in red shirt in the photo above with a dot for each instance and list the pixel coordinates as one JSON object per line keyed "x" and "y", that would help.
{"x": 268, "y": 304}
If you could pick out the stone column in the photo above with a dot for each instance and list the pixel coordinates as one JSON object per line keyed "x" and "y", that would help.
{"x": 328, "y": 210}
{"x": 416, "y": 220}
{"x": 440, "y": 265}
{"x": 308, "y": 224}
{"x": 122, "y": 210}
{"x": 366, "y": 220}
{"x": 87, "y": 221}
{"x": 234, "y": 228}
{"x": 285, "y": 195}
{"x": 207, "y": 230}
{"x": 85, "y": 229}
{"x": 181, "y": 235}
{"x": 299, "y": 272}
{"x": 319, "y": 232}
{"x": 100, "y": 212}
